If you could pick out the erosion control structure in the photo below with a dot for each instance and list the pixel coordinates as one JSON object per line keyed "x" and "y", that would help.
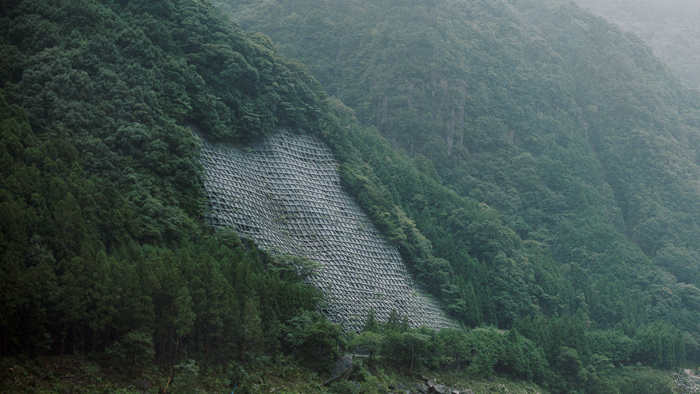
{"x": 285, "y": 193}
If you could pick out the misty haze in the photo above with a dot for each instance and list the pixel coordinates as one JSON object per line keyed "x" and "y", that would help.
{"x": 349, "y": 196}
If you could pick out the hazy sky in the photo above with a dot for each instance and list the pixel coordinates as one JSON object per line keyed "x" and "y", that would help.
{"x": 670, "y": 27}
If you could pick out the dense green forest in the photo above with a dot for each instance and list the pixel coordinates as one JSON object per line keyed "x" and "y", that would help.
{"x": 582, "y": 142}
{"x": 536, "y": 168}
{"x": 670, "y": 27}
{"x": 102, "y": 243}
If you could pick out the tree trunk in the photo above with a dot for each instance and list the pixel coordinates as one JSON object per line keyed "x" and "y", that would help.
{"x": 63, "y": 347}
{"x": 177, "y": 347}
{"x": 206, "y": 350}
{"x": 4, "y": 340}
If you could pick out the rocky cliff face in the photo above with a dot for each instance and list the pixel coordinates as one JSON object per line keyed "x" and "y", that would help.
{"x": 285, "y": 193}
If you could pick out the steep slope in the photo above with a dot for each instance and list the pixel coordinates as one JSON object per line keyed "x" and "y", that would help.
{"x": 286, "y": 195}
{"x": 101, "y": 175}
{"x": 583, "y": 141}
{"x": 103, "y": 241}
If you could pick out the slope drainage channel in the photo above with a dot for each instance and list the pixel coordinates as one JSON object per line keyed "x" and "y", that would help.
{"x": 285, "y": 194}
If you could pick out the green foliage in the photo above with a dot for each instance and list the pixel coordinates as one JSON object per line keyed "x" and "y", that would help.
{"x": 588, "y": 168}
{"x": 62, "y": 291}
{"x": 646, "y": 384}
{"x": 371, "y": 324}
{"x": 343, "y": 387}
{"x": 185, "y": 379}
{"x": 539, "y": 169}
{"x": 480, "y": 352}
{"x": 368, "y": 341}
{"x": 101, "y": 239}
{"x": 135, "y": 351}
{"x": 509, "y": 275}
{"x": 545, "y": 182}
{"x": 615, "y": 346}
{"x": 314, "y": 339}
{"x": 661, "y": 345}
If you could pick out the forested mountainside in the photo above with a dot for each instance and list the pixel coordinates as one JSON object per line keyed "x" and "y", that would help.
{"x": 535, "y": 168}
{"x": 583, "y": 141}
{"x": 104, "y": 251}
{"x": 101, "y": 241}
{"x": 669, "y": 27}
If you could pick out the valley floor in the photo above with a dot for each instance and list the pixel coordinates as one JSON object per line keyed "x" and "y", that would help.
{"x": 82, "y": 375}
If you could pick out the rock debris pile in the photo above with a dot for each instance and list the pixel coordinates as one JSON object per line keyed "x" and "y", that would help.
{"x": 687, "y": 383}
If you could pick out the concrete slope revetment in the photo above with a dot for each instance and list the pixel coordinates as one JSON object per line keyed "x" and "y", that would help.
{"x": 285, "y": 194}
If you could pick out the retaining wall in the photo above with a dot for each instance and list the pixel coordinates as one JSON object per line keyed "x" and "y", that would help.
{"x": 285, "y": 193}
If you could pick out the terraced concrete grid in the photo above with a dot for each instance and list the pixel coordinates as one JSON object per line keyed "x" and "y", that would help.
{"x": 286, "y": 195}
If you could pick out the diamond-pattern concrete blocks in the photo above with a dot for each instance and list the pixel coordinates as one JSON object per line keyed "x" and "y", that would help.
{"x": 286, "y": 195}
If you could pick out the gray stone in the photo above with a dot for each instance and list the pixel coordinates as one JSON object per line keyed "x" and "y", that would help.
{"x": 342, "y": 369}
{"x": 437, "y": 389}
{"x": 342, "y": 365}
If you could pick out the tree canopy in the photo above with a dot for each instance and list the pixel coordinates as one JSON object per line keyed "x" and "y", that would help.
{"x": 536, "y": 167}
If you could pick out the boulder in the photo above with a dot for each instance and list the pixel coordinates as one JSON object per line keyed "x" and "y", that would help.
{"x": 421, "y": 388}
{"x": 342, "y": 369}
{"x": 342, "y": 365}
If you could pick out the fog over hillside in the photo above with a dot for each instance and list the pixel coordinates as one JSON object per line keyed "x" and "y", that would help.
{"x": 669, "y": 26}
{"x": 534, "y": 167}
